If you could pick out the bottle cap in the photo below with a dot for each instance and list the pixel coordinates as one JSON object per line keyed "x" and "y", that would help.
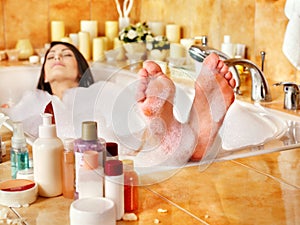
{"x": 18, "y": 139}
{"x": 90, "y": 159}
{"x": 68, "y": 144}
{"x": 128, "y": 164}
{"x": 113, "y": 168}
{"x": 89, "y": 131}
{"x": 47, "y": 129}
{"x": 112, "y": 149}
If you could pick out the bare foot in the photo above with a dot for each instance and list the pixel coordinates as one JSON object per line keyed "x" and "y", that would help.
{"x": 213, "y": 97}
{"x": 168, "y": 142}
{"x": 155, "y": 92}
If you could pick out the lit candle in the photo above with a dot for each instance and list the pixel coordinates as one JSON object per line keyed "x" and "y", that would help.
{"x": 84, "y": 44}
{"x": 173, "y": 33}
{"x": 111, "y": 31}
{"x": 98, "y": 49}
{"x": 57, "y": 30}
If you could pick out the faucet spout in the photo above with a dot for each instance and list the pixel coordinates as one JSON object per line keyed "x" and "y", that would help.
{"x": 260, "y": 90}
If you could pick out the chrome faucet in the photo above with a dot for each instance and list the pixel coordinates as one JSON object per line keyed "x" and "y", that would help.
{"x": 260, "y": 90}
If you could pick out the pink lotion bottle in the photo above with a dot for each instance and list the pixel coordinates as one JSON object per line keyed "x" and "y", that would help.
{"x": 89, "y": 141}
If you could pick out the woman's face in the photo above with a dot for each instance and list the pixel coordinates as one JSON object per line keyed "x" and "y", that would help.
{"x": 61, "y": 65}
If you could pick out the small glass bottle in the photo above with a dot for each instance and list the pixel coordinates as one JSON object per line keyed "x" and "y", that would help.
{"x": 111, "y": 150}
{"x": 68, "y": 168}
{"x": 19, "y": 152}
{"x": 90, "y": 176}
{"x": 114, "y": 185}
{"x": 131, "y": 183}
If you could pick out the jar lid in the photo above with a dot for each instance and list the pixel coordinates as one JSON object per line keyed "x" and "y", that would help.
{"x": 113, "y": 168}
{"x": 112, "y": 148}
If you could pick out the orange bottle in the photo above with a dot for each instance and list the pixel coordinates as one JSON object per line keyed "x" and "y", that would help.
{"x": 131, "y": 183}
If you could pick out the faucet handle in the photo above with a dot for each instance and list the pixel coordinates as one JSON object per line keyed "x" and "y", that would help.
{"x": 263, "y": 56}
{"x": 291, "y": 95}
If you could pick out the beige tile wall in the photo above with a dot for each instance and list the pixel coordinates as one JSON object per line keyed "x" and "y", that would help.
{"x": 260, "y": 24}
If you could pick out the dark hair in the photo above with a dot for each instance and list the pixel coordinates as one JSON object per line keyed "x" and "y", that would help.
{"x": 85, "y": 77}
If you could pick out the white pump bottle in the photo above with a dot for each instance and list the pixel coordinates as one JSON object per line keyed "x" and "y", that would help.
{"x": 47, "y": 157}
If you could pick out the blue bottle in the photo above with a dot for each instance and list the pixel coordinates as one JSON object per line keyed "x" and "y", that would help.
{"x": 19, "y": 156}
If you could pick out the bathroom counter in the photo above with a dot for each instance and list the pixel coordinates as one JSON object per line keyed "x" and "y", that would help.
{"x": 256, "y": 190}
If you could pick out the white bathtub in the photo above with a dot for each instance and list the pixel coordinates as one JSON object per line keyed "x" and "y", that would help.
{"x": 15, "y": 80}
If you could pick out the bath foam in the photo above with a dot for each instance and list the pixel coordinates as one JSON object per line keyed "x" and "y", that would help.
{"x": 175, "y": 150}
{"x": 158, "y": 91}
{"x": 207, "y": 81}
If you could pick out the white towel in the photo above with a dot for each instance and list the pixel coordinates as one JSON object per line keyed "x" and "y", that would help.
{"x": 291, "y": 7}
{"x": 291, "y": 42}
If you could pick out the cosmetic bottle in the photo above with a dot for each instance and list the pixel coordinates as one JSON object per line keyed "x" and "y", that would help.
{"x": 111, "y": 151}
{"x": 19, "y": 152}
{"x": 90, "y": 176}
{"x": 47, "y": 152}
{"x": 89, "y": 141}
{"x": 68, "y": 168}
{"x": 131, "y": 183}
{"x": 227, "y": 47}
{"x": 114, "y": 185}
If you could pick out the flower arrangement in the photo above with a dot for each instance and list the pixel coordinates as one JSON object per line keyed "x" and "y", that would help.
{"x": 158, "y": 42}
{"x": 135, "y": 33}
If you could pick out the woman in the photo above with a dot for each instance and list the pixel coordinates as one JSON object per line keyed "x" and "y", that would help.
{"x": 67, "y": 83}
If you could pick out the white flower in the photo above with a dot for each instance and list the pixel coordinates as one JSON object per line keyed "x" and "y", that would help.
{"x": 132, "y": 34}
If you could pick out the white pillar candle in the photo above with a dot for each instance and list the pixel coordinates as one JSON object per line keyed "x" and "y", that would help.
{"x": 90, "y": 26}
{"x": 157, "y": 28}
{"x": 177, "y": 50}
{"x": 66, "y": 39}
{"x": 105, "y": 39}
{"x": 173, "y": 33}
{"x": 117, "y": 43}
{"x": 74, "y": 38}
{"x": 84, "y": 44}
{"x": 98, "y": 49}
{"x": 111, "y": 31}
{"x": 57, "y": 30}
{"x": 187, "y": 42}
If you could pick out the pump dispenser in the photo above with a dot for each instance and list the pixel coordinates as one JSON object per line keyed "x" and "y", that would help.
{"x": 47, "y": 157}
{"x": 19, "y": 152}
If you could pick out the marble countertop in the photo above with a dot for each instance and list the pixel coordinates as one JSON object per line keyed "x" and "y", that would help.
{"x": 257, "y": 190}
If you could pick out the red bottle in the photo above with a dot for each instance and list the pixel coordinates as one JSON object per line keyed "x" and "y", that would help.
{"x": 131, "y": 183}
